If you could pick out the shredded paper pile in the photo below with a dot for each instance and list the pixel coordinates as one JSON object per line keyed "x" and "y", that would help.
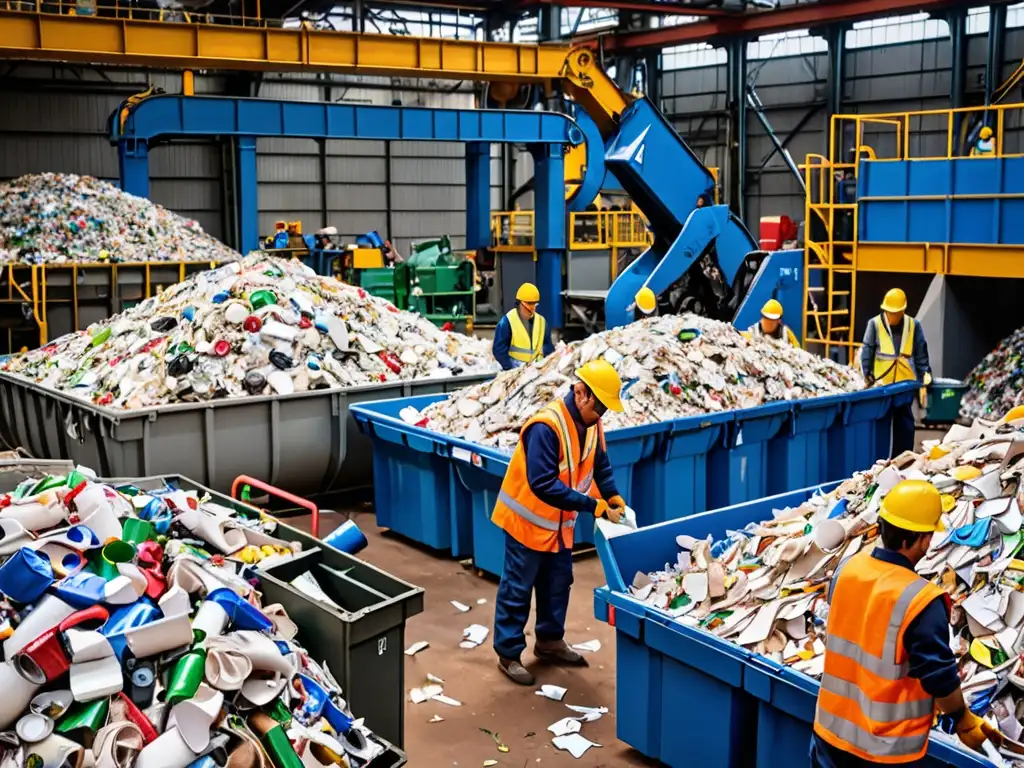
{"x": 764, "y": 587}
{"x": 997, "y": 383}
{"x": 671, "y": 367}
{"x": 256, "y": 326}
{"x": 54, "y": 218}
{"x": 135, "y": 636}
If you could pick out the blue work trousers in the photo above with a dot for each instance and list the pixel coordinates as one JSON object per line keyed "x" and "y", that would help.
{"x": 549, "y": 574}
{"x": 902, "y": 429}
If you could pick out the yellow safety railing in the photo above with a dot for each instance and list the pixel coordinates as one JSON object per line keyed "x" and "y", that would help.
{"x": 832, "y": 251}
{"x": 32, "y": 285}
{"x": 911, "y": 132}
{"x": 830, "y": 276}
{"x": 249, "y": 11}
{"x": 596, "y": 230}
{"x": 512, "y": 231}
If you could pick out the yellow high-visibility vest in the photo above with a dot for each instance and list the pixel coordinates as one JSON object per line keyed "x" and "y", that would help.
{"x": 523, "y": 348}
{"x": 891, "y": 367}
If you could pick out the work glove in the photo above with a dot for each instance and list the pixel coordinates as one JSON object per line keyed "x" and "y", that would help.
{"x": 922, "y": 393}
{"x": 603, "y": 510}
{"x": 617, "y": 502}
{"x": 975, "y": 731}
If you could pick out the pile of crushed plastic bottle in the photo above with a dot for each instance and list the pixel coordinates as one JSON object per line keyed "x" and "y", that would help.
{"x": 134, "y": 636}
{"x": 55, "y": 218}
{"x": 261, "y": 325}
{"x": 671, "y": 367}
{"x": 997, "y": 383}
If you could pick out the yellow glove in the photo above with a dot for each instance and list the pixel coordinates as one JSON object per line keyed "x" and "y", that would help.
{"x": 975, "y": 731}
{"x": 603, "y": 510}
{"x": 617, "y": 502}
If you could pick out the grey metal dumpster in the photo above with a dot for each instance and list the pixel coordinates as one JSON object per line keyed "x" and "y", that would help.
{"x": 306, "y": 442}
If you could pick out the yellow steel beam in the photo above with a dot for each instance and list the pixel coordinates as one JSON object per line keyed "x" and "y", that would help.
{"x": 956, "y": 259}
{"x": 134, "y": 42}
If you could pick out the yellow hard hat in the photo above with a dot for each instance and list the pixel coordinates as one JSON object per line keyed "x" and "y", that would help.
{"x": 1013, "y": 414}
{"x": 913, "y": 505}
{"x": 603, "y": 381}
{"x": 646, "y": 300}
{"x": 772, "y": 310}
{"x": 895, "y": 300}
{"x": 528, "y": 292}
{"x": 986, "y": 132}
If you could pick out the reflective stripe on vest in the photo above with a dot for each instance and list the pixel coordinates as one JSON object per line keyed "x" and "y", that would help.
{"x": 880, "y": 746}
{"x": 890, "y": 367}
{"x": 868, "y": 705}
{"x": 533, "y": 517}
{"x": 524, "y": 348}
{"x": 531, "y": 521}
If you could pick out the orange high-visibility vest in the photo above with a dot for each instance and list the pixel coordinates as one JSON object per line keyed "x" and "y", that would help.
{"x": 526, "y": 518}
{"x": 892, "y": 366}
{"x": 868, "y": 704}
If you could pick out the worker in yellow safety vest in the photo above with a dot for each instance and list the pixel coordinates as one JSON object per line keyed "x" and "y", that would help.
{"x": 884, "y": 361}
{"x": 985, "y": 146}
{"x": 522, "y": 335}
{"x": 888, "y": 662}
{"x": 771, "y": 326}
{"x": 559, "y": 470}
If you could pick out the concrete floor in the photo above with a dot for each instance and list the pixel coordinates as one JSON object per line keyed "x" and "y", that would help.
{"x": 489, "y": 699}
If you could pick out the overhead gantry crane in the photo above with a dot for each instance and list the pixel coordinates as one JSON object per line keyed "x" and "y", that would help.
{"x": 702, "y": 258}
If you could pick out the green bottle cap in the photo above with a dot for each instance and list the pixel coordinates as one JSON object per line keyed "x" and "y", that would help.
{"x": 262, "y": 298}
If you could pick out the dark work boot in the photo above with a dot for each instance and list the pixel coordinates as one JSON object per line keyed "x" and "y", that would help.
{"x": 558, "y": 652}
{"x": 515, "y": 671}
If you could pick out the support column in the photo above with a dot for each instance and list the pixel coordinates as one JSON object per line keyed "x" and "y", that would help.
{"x": 958, "y": 40}
{"x": 994, "y": 54}
{"x": 133, "y": 167}
{"x": 248, "y": 204}
{"x": 549, "y": 227}
{"x": 478, "y": 195}
{"x": 549, "y": 23}
{"x": 836, "y": 39}
{"x": 736, "y": 96}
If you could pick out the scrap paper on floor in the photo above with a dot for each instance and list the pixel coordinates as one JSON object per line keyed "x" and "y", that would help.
{"x": 574, "y": 744}
{"x": 473, "y": 635}
{"x": 553, "y": 692}
{"x": 565, "y": 726}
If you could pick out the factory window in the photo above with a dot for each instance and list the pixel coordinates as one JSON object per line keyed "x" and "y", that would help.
{"x": 674, "y": 20}
{"x": 977, "y": 21}
{"x": 691, "y": 56}
{"x": 1015, "y": 15}
{"x": 587, "y": 19}
{"x": 896, "y": 29}
{"x": 795, "y": 43}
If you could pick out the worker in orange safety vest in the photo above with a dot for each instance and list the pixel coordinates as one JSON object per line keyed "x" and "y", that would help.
{"x": 560, "y": 469}
{"x": 888, "y": 662}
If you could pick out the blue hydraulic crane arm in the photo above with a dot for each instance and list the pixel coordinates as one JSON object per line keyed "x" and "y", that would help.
{"x": 163, "y": 117}
{"x": 665, "y": 179}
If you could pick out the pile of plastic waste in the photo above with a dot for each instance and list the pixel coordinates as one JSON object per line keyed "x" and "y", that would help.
{"x": 55, "y": 218}
{"x": 671, "y": 367}
{"x": 997, "y": 383}
{"x": 764, "y": 587}
{"x": 260, "y": 325}
{"x": 134, "y": 636}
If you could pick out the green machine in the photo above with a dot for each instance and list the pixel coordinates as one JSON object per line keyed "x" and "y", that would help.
{"x": 434, "y": 281}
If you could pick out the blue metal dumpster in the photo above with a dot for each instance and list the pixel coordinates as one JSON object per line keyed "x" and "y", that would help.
{"x": 669, "y": 673}
{"x": 439, "y": 490}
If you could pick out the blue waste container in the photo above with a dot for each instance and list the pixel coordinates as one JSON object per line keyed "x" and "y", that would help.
{"x": 738, "y": 466}
{"x": 798, "y": 455}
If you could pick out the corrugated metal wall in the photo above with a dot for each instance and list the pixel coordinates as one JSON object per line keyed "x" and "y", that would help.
{"x": 338, "y": 183}
{"x": 909, "y": 76}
